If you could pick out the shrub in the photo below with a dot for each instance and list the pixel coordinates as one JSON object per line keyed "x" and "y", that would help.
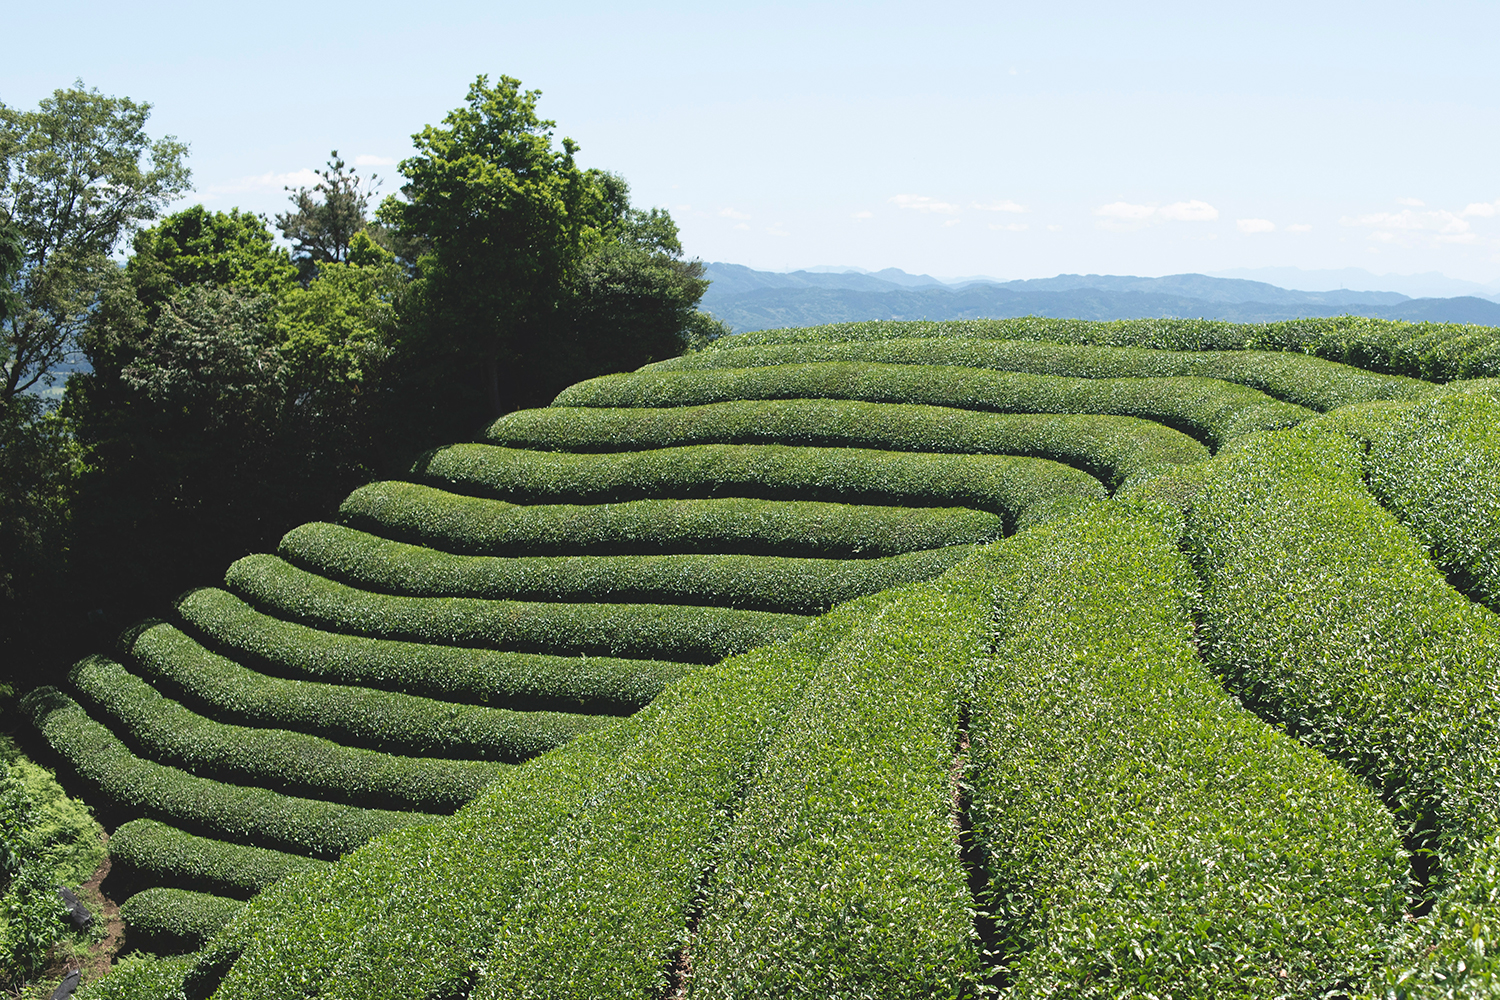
{"x": 1307, "y": 381}
{"x": 134, "y": 787}
{"x": 767, "y": 583}
{"x": 840, "y": 875}
{"x": 1141, "y": 833}
{"x": 138, "y": 977}
{"x": 1325, "y": 614}
{"x": 172, "y": 921}
{"x": 478, "y": 526}
{"x": 518, "y": 681}
{"x": 378, "y": 720}
{"x": 1438, "y": 470}
{"x": 660, "y": 779}
{"x": 1112, "y": 449}
{"x": 289, "y": 762}
{"x": 669, "y": 631}
{"x": 1022, "y": 490}
{"x": 145, "y": 852}
{"x": 1210, "y": 410}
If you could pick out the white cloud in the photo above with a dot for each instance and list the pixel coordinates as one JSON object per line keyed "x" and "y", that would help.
{"x": 922, "y": 203}
{"x": 999, "y": 206}
{"x": 1189, "y": 211}
{"x": 1014, "y": 227}
{"x": 776, "y": 230}
{"x": 730, "y": 213}
{"x": 1054, "y": 229}
{"x": 306, "y": 177}
{"x": 742, "y": 225}
{"x": 863, "y": 215}
{"x": 1413, "y": 202}
{"x": 371, "y": 160}
{"x": 1299, "y": 227}
{"x": 1483, "y": 209}
{"x": 1255, "y": 225}
{"x": 1410, "y": 227}
{"x": 952, "y": 222}
{"x": 682, "y": 209}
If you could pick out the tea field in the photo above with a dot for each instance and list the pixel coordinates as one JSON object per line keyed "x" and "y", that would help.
{"x": 1012, "y": 658}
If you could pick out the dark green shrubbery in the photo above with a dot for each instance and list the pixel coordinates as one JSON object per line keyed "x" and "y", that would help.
{"x": 145, "y": 851}
{"x": 765, "y": 583}
{"x": 378, "y": 720}
{"x": 479, "y": 526}
{"x": 133, "y": 787}
{"x": 669, "y": 631}
{"x": 171, "y": 921}
{"x": 1210, "y": 410}
{"x": 1112, "y": 449}
{"x": 520, "y": 681}
{"x": 282, "y": 760}
{"x": 1294, "y": 378}
{"x": 1022, "y": 490}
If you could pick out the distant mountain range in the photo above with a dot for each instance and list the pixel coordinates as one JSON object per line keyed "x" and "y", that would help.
{"x": 759, "y": 300}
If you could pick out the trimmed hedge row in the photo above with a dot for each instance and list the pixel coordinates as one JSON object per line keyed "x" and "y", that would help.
{"x": 1112, "y": 449}
{"x": 1312, "y": 382}
{"x": 766, "y": 583}
{"x": 1438, "y": 469}
{"x": 173, "y": 921}
{"x": 685, "y": 633}
{"x": 136, "y": 787}
{"x": 477, "y": 526}
{"x": 145, "y": 851}
{"x": 841, "y": 874}
{"x": 284, "y": 761}
{"x": 139, "y": 977}
{"x": 1437, "y": 352}
{"x": 1211, "y": 410}
{"x": 378, "y": 720}
{"x": 658, "y": 785}
{"x": 1141, "y": 833}
{"x": 1325, "y": 614}
{"x": 1023, "y": 491}
{"x": 518, "y": 681}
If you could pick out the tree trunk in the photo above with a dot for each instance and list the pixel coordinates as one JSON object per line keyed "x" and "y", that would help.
{"x": 489, "y": 372}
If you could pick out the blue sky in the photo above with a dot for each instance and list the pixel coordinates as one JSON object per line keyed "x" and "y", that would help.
{"x": 1012, "y": 140}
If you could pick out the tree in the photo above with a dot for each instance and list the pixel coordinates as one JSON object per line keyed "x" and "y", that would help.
{"x": 505, "y": 218}
{"x": 328, "y": 216}
{"x": 77, "y": 175}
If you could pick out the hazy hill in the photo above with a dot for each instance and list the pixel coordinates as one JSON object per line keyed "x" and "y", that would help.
{"x": 757, "y": 300}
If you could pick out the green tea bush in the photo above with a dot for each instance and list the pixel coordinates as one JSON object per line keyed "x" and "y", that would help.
{"x": 1325, "y": 614}
{"x": 139, "y": 977}
{"x": 282, "y": 760}
{"x": 173, "y": 921}
{"x": 1022, "y": 490}
{"x": 378, "y": 720}
{"x": 1111, "y": 449}
{"x": 683, "y": 633}
{"x": 135, "y": 787}
{"x": 1141, "y": 833}
{"x": 655, "y": 790}
{"x": 841, "y": 875}
{"x": 1438, "y": 470}
{"x": 478, "y": 526}
{"x": 1437, "y": 352}
{"x": 1307, "y": 381}
{"x": 766, "y": 583}
{"x": 146, "y": 852}
{"x": 519, "y": 681}
{"x": 1211, "y": 410}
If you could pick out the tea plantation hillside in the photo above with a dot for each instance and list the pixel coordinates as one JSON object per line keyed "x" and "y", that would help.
{"x": 1022, "y": 658}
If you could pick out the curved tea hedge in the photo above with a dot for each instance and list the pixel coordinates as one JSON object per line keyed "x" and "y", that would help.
{"x": 1211, "y": 410}
{"x": 821, "y": 663}
{"x": 1294, "y": 378}
{"x": 767, "y": 583}
{"x": 1112, "y": 449}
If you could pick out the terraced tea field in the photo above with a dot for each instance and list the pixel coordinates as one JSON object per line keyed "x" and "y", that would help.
{"x": 1030, "y": 658}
